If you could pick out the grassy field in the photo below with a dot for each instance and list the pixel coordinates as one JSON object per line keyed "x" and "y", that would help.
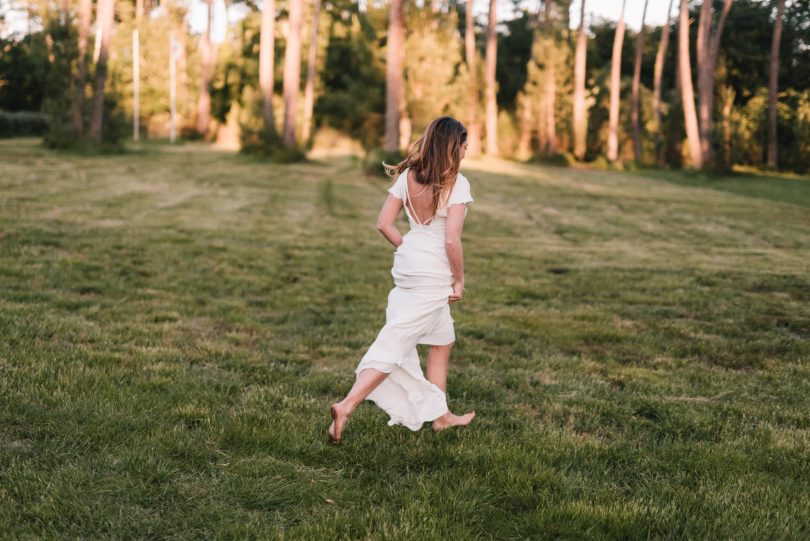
{"x": 176, "y": 321}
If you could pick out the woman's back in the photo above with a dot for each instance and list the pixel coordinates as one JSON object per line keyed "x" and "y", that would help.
{"x": 420, "y": 200}
{"x": 417, "y": 199}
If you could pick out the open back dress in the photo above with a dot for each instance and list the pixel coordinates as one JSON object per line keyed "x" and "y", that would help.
{"x": 418, "y": 312}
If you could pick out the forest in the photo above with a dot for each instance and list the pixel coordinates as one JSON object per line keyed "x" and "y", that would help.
{"x": 723, "y": 84}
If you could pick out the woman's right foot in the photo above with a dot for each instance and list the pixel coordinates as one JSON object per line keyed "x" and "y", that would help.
{"x": 449, "y": 420}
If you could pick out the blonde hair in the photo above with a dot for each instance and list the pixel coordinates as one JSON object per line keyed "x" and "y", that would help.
{"x": 434, "y": 157}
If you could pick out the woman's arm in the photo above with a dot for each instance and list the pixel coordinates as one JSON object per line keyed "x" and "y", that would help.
{"x": 452, "y": 244}
{"x": 385, "y": 221}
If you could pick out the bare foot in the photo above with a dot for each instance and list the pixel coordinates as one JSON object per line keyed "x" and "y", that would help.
{"x": 450, "y": 419}
{"x": 339, "y": 417}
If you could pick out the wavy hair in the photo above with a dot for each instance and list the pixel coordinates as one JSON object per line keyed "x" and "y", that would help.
{"x": 434, "y": 157}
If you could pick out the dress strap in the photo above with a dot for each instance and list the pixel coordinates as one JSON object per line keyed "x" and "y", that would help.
{"x": 413, "y": 216}
{"x": 412, "y": 212}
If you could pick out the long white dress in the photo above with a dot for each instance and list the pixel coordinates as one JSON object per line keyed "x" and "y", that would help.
{"x": 418, "y": 312}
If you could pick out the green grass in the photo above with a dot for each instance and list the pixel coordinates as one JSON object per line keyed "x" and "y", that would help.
{"x": 175, "y": 323}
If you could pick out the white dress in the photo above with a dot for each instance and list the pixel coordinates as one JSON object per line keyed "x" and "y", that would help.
{"x": 418, "y": 312}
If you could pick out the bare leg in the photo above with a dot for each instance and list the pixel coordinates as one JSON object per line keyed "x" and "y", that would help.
{"x": 438, "y": 361}
{"x": 367, "y": 380}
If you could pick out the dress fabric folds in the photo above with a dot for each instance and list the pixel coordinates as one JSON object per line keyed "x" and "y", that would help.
{"x": 418, "y": 312}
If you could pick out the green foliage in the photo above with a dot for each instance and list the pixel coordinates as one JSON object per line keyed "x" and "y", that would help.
{"x": 507, "y": 134}
{"x": 551, "y": 55}
{"x": 514, "y": 51}
{"x": 22, "y": 124}
{"x": 373, "y": 162}
{"x": 56, "y": 94}
{"x": 353, "y": 78}
{"x": 793, "y": 130}
{"x": 435, "y": 82}
{"x": 256, "y": 139}
{"x": 154, "y": 41}
{"x": 24, "y": 70}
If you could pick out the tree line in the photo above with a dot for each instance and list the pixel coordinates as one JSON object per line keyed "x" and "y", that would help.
{"x": 723, "y": 82}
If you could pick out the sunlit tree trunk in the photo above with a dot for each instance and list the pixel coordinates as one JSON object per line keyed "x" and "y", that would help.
{"x": 136, "y": 72}
{"x": 672, "y": 150}
{"x": 172, "y": 87}
{"x": 773, "y": 85}
{"x": 635, "y": 112}
{"x": 491, "y": 90}
{"x": 708, "y": 47}
{"x": 435, "y": 8}
{"x": 727, "y": 99}
{"x": 551, "y": 105}
{"x": 404, "y": 119}
{"x": 474, "y": 123}
{"x": 292, "y": 71}
{"x": 551, "y": 89}
{"x": 615, "y": 90}
{"x": 309, "y": 88}
{"x": 394, "y": 83}
{"x": 580, "y": 118}
{"x": 206, "y": 69}
{"x": 80, "y": 81}
{"x": 658, "y": 75}
{"x": 105, "y": 14}
{"x": 267, "y": 57}
{"x": 524, "y": 108}
{"x": 687, "y": 91}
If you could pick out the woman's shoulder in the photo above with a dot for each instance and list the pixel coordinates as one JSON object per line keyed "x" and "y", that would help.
{"x": 461, "y": 191}
{"x": 461, "y": 179}
{"x": 397, "y": 188}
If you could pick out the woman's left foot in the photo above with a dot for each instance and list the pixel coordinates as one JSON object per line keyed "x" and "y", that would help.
{"x": 339, "y": 417}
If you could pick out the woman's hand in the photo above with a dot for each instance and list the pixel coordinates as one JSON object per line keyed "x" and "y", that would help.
{"x": 458, "y": 291}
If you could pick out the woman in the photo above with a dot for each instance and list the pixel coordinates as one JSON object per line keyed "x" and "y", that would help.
{"x": 428, "y": 274}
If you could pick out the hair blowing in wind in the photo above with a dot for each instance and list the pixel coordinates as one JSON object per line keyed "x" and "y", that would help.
{"x": 435, "y": 157}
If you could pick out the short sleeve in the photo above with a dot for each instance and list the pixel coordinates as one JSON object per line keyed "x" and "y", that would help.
{"x": 461, "y": 192}
{"x": 398, "y": 188}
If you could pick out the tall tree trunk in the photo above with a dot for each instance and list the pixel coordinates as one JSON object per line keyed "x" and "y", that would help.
{"x": 309, "y": 88}
{"x": 435, "y": 8}
{"x": 658, "y": 75}
{"x": 635, "y": 112}
{"x": 77, "y": 103}
{"x": 551, "y": 106}
{"x": 292, "y": 71}
{"x": 728, "y": 102}
{"x": 136, "y": 72}
{"x": 206, "y": 68}
{"x": 672, "y": 151}
{"x": 404, "y": 119}
{"x": 490, "y": 92}
{"x": 615, "y": 90}
{"x": 473, "y": 125}
{"x": 267, "y": 57}
{"x": 524, "y": 149}
{"x": 551, "y": 87}
{"x": 580, "y": 118}
{"x": 172, "y": 87}
{"x": 773, "y": 85}
{"x": 105, "y": 15}
{"x": 708, "y": 47}
{"x": 687, "y": 91}
{"x": 394, "y": 83}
